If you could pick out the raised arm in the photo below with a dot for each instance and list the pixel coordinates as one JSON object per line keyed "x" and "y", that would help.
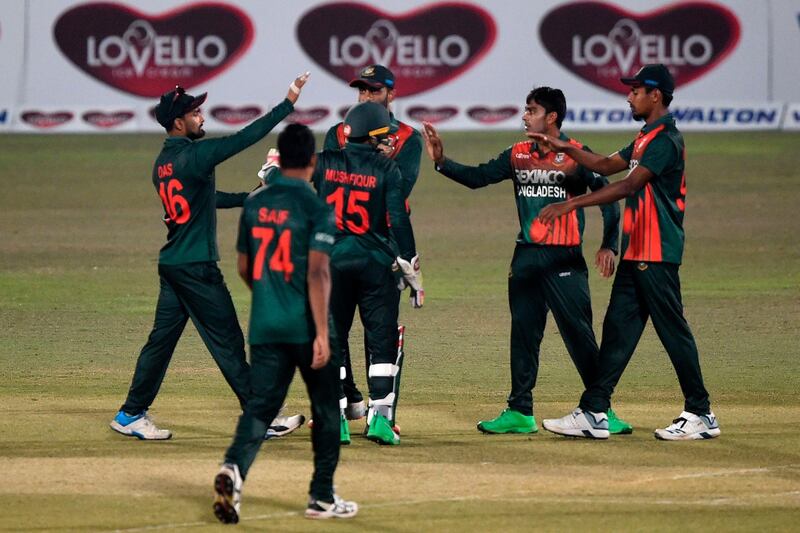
{"x": 211, "y": 152}
{"x": 474, "y": 177}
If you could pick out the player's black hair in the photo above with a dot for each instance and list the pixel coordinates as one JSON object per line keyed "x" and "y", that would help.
{"x": 666, "y": 98}
{"x": 552, "y": 100}
{"x": 296, "y": 145}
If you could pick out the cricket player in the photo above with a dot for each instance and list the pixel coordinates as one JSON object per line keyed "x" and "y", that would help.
{"x": 647, "y": 282}
{"x": 191, "y": 282}
{"x": 403, "y": 144}
{"x": 548, "y": 271}
{"x": 365, "y": 190}
{"x": 285, "y": 239}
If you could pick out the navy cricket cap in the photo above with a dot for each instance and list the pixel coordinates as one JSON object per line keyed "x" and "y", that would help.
{"x": 374, "y": 77}
{"x": 175, "y": 104}
{"x": 654, "y": 75}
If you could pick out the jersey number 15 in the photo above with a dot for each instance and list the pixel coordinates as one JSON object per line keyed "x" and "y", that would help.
{"x": 356, "y": 218}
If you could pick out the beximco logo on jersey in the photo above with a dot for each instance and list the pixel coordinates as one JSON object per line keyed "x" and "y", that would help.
{"x": 142, "y": 54}
{"x": 602, "y": 42}
{"x": 424, "y": 48}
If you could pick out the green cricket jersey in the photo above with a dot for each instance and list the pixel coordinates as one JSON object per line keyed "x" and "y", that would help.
{"x": 365, "y": 190}
{"x": 183, "y": 175}
{"x": 652, "y": 228}
{"x": 407, "y": 144}
{"x": 539, "y": 180}
{"x": 280, "y": 223}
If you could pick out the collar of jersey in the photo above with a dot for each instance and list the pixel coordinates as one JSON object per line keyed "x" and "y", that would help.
{"x": 535, "y": 146}
{"x": 283, "y": 180}
{"x": 667, "y": 119}
{"x": 170, "y": 141}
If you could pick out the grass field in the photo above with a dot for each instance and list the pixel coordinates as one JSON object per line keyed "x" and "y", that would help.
{"x": 79, "y": 233}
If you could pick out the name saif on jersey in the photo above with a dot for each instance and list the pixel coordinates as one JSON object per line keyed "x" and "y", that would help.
{"x": 349, "y": 178}
{"x": 539, "y": 182}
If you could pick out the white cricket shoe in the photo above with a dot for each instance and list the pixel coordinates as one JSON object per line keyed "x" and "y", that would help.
{"x": 579, "y": 423}
{"x": 283, "y": 425}
{"x": 339, "y": 508}
{"x": 355, "y": 411}
{"x": 140, "y": 426}
{"x": 689, "y": 426}
{"x": 228, "y": 494}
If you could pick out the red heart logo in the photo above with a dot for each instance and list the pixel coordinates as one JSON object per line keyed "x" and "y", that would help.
{"x": 491, "y": 115}
{"x": 433, "y": 115}
{"x": 107, "y": 120}
{"x": 605, "y": 42}
{"x": 42, "y": 119}
{"x": 308, "y": 116}
{"x": 147, "y": 55}
{"x": 235, "y": 115}
{"x": 424, "y": 48}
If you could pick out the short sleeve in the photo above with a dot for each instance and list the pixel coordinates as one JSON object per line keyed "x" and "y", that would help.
{"x": 625, "y": 153}
{"x": 660, "y": 155}
{"x": 322, "y": 227}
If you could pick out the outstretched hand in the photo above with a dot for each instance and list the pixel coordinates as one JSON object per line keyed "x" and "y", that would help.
{"x": 551, "y": 212}
{"x": 433, "y": 143}
{"x": 297, "y": 86}
{"x": 550, "y": 143}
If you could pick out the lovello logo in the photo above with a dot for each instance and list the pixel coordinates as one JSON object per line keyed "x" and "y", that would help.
{"x": 433, "y": 115}
{"x": 606, "y": 42}
{"x": 46, "y": 120}
{"x": 491, "y": 115}
{"x": 105, "y": 120}
{"x": 424, "y": 48}
{"x": 235, "y": 115}
{"x": 308, "y": 116}
{"x": 148, "y": 54}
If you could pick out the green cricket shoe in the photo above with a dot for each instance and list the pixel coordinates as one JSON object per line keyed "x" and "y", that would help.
{"x": 509, "y": 421}
{"x": 344, "y": 431}
{"x": 380, "y": 431}
{"x": 617, "y": 426}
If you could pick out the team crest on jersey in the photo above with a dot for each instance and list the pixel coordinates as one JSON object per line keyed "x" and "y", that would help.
{"x": 642, "y": 266}
{"x": 346, "y": 130}
{"x": 559, "y": 158}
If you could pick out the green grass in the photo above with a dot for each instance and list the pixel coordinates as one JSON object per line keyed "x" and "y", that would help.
{"x": 79, "y": 233}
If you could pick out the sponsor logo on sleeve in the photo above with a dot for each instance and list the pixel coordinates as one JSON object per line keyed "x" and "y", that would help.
{"x": 235, "y": 115}
{"x": 491, "y": 115}
{"x": 107, "y": 120}
{"x": 308, "y": 116}
{"x": 145, "y": 54}
{"x": 606, "y": 42}
{"x": 431, "y": 114}
{"x": 424, "y": 48}
{"x": 45, "y": 119}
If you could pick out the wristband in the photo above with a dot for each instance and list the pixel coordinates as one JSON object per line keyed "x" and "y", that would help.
{"x": 294, "y": 88}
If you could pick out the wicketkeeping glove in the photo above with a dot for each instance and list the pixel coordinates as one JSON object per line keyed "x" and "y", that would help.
{"x": 412, "y": 277}
{"x": 271, "y": 165}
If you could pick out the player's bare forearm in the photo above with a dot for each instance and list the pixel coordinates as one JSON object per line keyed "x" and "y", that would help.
{"x": 319, "y": 290}
{"x": 243, "y": 265}
{"x": 605, "y": 165}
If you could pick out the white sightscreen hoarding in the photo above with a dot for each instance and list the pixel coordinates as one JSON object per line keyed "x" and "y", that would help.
{"x": 464, "y": 65}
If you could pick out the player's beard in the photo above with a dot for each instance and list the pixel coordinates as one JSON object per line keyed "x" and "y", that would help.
{"x": 195, "y": 135}
{"x": 636, "y": 116}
